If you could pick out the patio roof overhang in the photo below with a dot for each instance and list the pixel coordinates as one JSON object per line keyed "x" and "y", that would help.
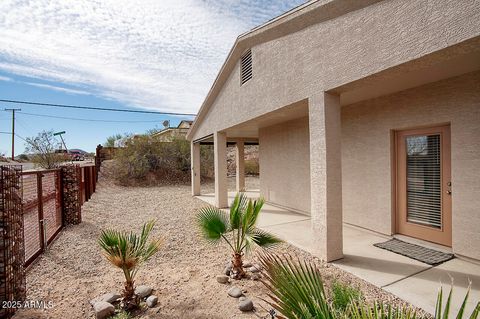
{"x": 450, "y": 62}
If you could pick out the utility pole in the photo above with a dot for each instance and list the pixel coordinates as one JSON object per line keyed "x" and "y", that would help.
{"x": 13, "y": 130}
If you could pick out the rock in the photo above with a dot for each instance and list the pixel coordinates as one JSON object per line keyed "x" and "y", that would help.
{"x": 255, "y": 276}
{"x": 143, "y": 291}
{"x": 110, "y": 297}
{"x": 152, "y": 301}
{"x": 245, "y": 305}
{"x": 103, "y": 309}
{"x": 255, "y": 268}
{"x": 235, "y": 292}
{"x": 228, "y": 268}
{"x": 222, "y": 279}
{"x": 242, "y": 298}
{"x": 247, "y": 265}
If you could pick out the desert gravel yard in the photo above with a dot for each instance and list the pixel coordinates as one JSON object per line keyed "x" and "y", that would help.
{"x": 73, "y": 271}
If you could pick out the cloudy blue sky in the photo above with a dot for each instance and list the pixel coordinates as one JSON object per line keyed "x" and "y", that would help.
{"x": 142, "y": 54}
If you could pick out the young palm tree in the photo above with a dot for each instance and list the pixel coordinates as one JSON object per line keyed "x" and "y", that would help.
{"x": 128, "y": 251}
{"x": 296, "y": 292}
{"x": 238, "y": 229}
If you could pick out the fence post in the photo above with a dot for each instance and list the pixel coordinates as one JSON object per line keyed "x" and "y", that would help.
{"x": 41, "y": 222}
{"x": 12, "y": 247}
{"x": 71, "y": 195}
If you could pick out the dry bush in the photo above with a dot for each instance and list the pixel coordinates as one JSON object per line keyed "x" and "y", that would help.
{"x": 251, "y": 167}
{"x": 42, "y": 147}
{"x": 147, "y": 161}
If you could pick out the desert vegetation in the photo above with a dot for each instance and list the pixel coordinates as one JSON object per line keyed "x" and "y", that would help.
{"x": 297, "y": 292}
{"x": 128, "y": 251}
{"x": 42, "y": 149}
{"x": 147, "y": 161}
{"x": 238, "y": 229}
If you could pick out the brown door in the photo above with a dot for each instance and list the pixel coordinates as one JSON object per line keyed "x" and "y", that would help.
{"x": 424, "y": 204}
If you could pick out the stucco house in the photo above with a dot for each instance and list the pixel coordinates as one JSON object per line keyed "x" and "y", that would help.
{"x": 366, "y": 113}
{"x": 170, "y": 133}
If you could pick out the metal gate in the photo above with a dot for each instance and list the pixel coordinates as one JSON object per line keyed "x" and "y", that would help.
{"x": 42, "y": 210}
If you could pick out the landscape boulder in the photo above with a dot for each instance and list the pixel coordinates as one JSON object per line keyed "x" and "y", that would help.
{"x": 152, "y": 301}
{"x": 143, "y": 291}
{"x": 245, "y": 305}
{"x": 235, "y": 292}
{"x": 255, "y": 268}
{"x": 110, "y": 297}
{"x": 222, "y": 279}
{"x": 103, "y": 309}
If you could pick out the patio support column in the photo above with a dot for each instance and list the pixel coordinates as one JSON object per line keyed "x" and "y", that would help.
{"x": 220, "y": 154}
{"x": 326, "y": 175}
{"x": 195, "y": 165}
{"x": 240, "y": 167}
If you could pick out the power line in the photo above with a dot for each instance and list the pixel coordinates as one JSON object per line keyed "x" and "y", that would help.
{"x": 94, "y": 108}
{"x": 84, "y": 119}
{"x": 20, "y": 137}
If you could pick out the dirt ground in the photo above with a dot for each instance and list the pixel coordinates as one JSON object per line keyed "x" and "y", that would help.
{"x": 73, "y": 271}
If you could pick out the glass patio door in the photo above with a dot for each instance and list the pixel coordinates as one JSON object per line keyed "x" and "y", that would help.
{"x": 423, "y": 184}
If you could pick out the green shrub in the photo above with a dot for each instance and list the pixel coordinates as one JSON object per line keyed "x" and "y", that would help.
{"x": 343, "y": 295}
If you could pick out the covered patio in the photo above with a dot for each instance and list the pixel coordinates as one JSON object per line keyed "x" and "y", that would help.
{"x": 328, "y": 170}
{"x": 411, "y": 280}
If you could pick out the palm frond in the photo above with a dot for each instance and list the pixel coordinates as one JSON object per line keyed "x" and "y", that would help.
{"x": 264, "y": 239}
{"x": 296, "y": 287}
{"x": 213, "y": 223}
{"x": 253, "y": 217}
{"x": 237, "y": 209}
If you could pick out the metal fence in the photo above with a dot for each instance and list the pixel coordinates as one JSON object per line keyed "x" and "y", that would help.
{"x": 42, "y": 205}
{"x": 48, "y": 197}
{"x": 34, "y": 207}
{"x": 12, "y": 272}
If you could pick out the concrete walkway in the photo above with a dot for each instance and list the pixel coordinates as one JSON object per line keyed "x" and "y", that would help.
{"x": 411, "y": 280}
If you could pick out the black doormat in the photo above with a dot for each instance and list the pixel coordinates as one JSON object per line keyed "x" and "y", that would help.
{"x": 423, "y": 254}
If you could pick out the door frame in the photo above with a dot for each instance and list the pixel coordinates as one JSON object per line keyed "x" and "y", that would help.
{"x": 441, "y": 236}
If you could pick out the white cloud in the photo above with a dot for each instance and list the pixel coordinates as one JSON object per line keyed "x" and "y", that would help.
{"x": 152, "y": 54}
{"x": 5, "y": 78}
{"x": 58, "y": 88}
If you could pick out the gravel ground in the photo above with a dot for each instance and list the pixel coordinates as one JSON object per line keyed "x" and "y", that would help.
{"x": 73, "y": 271}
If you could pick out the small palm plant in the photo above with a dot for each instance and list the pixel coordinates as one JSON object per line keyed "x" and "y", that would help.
{"x": 297, "y": 291}
{"x": 238, "y": 229}
{"x": 128, "y": 251}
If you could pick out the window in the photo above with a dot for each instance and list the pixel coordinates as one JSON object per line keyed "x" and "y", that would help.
{"x": 246, "y": 72}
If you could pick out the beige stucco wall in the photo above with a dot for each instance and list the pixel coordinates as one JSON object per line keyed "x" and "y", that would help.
{"x": 285, "y": 164}
{"x": 366, "y": 154}
{"x": 338, "y": 51}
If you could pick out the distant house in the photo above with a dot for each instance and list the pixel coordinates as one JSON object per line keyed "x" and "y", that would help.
{"x": 170, "y": 133}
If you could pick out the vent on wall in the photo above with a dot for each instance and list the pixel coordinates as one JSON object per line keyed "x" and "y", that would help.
{"x": 246, "y": 71}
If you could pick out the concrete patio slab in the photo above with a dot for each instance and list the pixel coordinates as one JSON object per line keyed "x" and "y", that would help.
{"x": 377, "y": 266}
{"x": 411, "y": 280}
{"x": 294, "y": 233}
{"x": 422, "y": 288}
